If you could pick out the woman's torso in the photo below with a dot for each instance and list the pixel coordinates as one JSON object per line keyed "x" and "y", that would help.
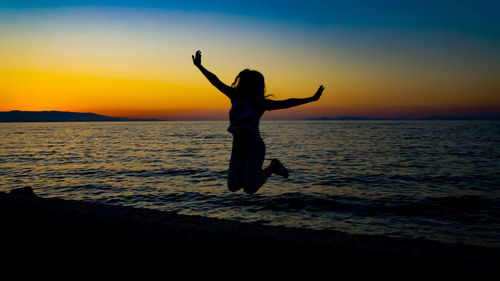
{"x": 244, "y": 119}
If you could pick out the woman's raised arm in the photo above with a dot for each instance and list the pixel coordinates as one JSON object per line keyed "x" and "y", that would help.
{"x": 225, "y": 89}
{"x": 282, "y": 104}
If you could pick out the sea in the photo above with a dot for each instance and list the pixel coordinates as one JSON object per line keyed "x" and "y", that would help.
{"x": 437, "y": 180}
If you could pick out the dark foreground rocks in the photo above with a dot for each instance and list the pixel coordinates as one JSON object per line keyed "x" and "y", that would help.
{"x": 55, "y": 234}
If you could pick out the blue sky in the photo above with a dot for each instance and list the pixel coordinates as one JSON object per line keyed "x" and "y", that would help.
{"x": 469, "y": 16}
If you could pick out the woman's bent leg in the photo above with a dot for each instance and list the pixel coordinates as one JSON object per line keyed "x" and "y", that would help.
{"x": 236, "y": 165}
{"x": 253, "y": 174}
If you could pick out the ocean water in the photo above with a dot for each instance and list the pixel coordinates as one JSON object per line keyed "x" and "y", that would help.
{"x": 437, "y": 180}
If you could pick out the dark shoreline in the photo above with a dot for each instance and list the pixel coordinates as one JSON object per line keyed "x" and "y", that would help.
{"x": 97, "y": 236}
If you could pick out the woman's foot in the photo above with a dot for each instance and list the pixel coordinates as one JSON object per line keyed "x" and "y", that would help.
{"x": 278, "y": 168}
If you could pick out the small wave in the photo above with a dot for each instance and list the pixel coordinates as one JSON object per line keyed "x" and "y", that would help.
{"x": 470, "y": 204}
{"x": 462, "y": 208}
{"x": 343, "y": 181}
{"x": 291, "y": 202}
{"x": 161, "y": 172}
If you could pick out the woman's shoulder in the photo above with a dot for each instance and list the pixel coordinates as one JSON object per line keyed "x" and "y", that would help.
{"x": 236, "y": 99}
{"x": 269, "y": 104}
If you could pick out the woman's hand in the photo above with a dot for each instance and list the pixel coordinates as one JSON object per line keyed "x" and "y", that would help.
{"x": 197, "y": 58}
{"x": 318, "y": 93}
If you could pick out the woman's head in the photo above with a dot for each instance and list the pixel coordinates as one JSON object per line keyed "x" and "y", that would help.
{"x": 250, "y": 85}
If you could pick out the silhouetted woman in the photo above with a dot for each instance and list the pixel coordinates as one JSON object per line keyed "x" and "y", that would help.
{"x": 248, "y": 104}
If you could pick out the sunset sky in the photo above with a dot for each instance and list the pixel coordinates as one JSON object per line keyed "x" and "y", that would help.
{"x": 133, "y": 58}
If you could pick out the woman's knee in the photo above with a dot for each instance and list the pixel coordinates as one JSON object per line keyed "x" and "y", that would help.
{"x": 250, "y": 188}
{"x": 249, "y": 191}
{"x": 233, "y": 186}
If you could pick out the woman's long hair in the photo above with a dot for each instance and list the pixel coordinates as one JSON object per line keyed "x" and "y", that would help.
{"x": 250, "y": 86}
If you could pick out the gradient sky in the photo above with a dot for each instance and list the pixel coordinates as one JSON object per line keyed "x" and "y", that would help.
{"x": 133, "y": 58}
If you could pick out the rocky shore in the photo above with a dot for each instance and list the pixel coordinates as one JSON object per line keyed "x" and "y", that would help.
{"x": 74, "y": 235}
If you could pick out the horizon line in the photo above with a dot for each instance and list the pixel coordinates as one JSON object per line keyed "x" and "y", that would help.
{"x": 198, "y": 118}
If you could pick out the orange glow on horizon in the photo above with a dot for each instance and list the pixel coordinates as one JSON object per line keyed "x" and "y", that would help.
{"x": 185, "y": 100}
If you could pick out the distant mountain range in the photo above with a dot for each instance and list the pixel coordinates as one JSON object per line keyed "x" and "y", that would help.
{"x": 64, "y": 116}
{"x": 58, "y": 116}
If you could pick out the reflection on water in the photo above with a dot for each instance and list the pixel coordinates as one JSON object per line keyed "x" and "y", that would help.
{"x": 435, "y": 179}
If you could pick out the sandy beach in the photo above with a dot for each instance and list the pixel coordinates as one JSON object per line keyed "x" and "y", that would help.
{"x": 74, "y": 235}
